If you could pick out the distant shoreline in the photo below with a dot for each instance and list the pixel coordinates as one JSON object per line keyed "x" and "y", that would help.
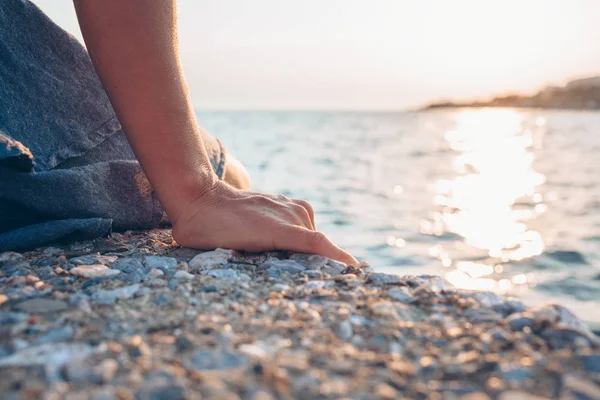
{"x": 581, "y": 94}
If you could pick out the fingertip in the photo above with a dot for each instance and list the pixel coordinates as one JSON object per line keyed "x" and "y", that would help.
{"x": 348, "y": 259}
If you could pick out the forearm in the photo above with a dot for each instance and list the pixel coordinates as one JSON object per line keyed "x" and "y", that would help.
{"x": 133, "y": 45}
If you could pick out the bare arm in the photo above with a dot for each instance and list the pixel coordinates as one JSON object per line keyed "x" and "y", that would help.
{"x": 133, "y": 45}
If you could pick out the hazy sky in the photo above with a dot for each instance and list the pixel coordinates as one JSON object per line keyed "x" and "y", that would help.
{"x": 374, "y": 54}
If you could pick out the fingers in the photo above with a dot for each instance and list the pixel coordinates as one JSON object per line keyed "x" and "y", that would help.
{"x": 309, "y": 209}
{"x": 302, "y": 213}
{"x": 312, "y": 242}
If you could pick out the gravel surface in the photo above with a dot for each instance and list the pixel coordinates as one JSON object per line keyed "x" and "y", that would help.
{"x": 134, "y": 316}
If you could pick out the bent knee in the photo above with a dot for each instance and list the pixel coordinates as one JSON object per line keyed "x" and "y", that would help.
{"x": 235, "y": 173}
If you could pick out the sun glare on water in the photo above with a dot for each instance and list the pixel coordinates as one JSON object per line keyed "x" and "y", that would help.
{"x": 494, "y": 173}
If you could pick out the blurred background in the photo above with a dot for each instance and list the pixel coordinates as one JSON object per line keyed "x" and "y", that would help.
{"x": 452, "y": 138}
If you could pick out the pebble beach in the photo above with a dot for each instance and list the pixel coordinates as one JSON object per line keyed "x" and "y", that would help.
{"x": 134, "y": 316}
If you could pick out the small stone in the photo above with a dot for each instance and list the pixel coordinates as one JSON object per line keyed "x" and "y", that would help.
{"x": 107, "y": 297}
{"x": 160, "y": 262}
{"x": 475, "y": 396}
{"x": 9, "y": 318}
{"x": 509, "y": 307}
{"x": 344, "y": 330}
{"x": 319, "y": 284}
{"x": 163, "y": 298}
{"x": 10, "y": 256}
{"x": 52, "y": 250}
{"x": 401, "y": 295}
{"x": 359, "y": 320}
{"x": 217, "y": 360}
{"x": 591, "y": 362}
{"x": 433, "y": 284}
{"x": 51, "y": 356}
{"x": 209, "y": 260}
{"x": 94, "y": 271}
{"x": 511, "y": 374}
{"x": 280, "y": 287}
{"x": 519, "y": 395}
{"x": 585, "y": 388}
{"x": 310, "y": 274}
{"x": 384, "y": 279}
{"x": 486, "y": 299}
{"x": 55, "y": 335}
{"x": 337, "y": 264}
{"x": 155, "y": 272}
{"x": 93, "y": 259}
{"x": 128, "y": 265}
{"x": 41, "y": 306}
{"x": 518, "y": 322}
{"x": 289, "y": 266}
{"x": 310, "y": 261}
{"x": 228, "y": 274}
{"x": 3, "y": 299}
{"x": 183, "y": 275}
{"x": 385, "y": 391}
{"x": 134, "y": 277}
{"x": 333, "y": 271}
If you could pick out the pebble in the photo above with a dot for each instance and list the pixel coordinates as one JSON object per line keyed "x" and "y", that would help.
{"x": 402, "y": 295}
{"x": 519, "y": 395}
{"x": 520, "y": 321}
{"x": 583, "y": 388}
{"x": 160, "y": 262}
{"x": 51, "y": 356}
{"x": 209, "y": 260}
{"x": 135, "y": 277}
{"x": 217, "y": 360}
{"x": 107, "y": 297}
{"x": 517, "y": 374}
{"x": 93, "y": 259}
{"x": 10, "y": 318}
{"x": 10, "y": 256}
{"x": 42, "y": 306}
{"x": 359, "y": 320}
{"x": 55, "y": 335}
{"x": 94, "y": 271}
{"x": 128, "y": 265}
{"x": 183, "y": 275}
{"x": 52, "y": 250}
{"x": 344, "y": 330}
{"x": 280, "y": 287}
{"x": 155, "y": 272}
{"x": 591, "y": 362}
{"x": 311, "y": 261}
{"x": 319, "y": 284}
{"x": 289, "y": 266}
{"x": 384, "y": 279}
{"x": 228, "y": 274}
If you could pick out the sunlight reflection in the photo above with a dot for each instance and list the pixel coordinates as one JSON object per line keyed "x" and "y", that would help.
{"x": 494, "y": 174}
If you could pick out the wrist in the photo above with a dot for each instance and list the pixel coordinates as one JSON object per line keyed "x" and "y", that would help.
{"x": 187, "y": 189}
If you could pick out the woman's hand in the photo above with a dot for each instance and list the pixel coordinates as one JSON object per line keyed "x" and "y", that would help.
{"x": 245, "y": 220}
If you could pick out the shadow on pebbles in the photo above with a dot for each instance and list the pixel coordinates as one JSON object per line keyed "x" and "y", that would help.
{"x": 135, "y": 317}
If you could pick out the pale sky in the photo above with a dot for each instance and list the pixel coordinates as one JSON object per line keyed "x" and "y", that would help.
{"x": 374, "y": 54}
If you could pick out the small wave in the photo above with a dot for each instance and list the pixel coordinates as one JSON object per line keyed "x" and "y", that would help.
{"x": 573, "y": 257}
{"x": 571, "y": 286}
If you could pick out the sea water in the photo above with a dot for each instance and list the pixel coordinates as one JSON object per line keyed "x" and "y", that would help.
{"x": 504, "y": 200}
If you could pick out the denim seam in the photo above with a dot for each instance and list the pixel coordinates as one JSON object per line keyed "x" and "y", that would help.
{"x": 83, "y": 144}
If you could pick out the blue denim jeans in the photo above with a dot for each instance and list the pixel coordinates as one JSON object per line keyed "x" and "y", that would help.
{"x": 66, "y": 168}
